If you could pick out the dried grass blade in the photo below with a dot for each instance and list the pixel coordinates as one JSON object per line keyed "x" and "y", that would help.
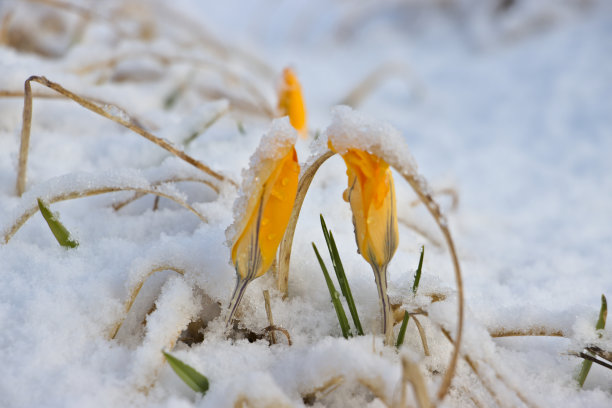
{"x": 417, "y": 185}
{"x": 123, "y": 119}
{"x": 70, "y": 195}
{"x": 134, "y": 294}
{"x": 411, "y": 374}
{"x": 284, "y": 252}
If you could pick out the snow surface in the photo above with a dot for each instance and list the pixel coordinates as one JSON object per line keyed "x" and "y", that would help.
{"x": 511, "y": 109}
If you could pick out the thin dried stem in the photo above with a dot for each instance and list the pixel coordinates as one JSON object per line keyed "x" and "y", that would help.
{"x": 530, "y": 331}
{"x": 106, "y": 111}
{"x": 70, "y": 195}
{"x": 81, "y": 11}
{"x": 373, "y": 81}
{"x": 328, "y": 387}
{"x": 376, "y": 387}
{"x": 134, "y": 293}
{"x": 418, "y": 185}
{"x": 284, "y": 252}
{"x": 261, "y": 105}
{"x": 271, "y": 329}
{"x": 136, "y": 196}
{"x": 411, "y": 374}
{"x": 266, "y": 295}
{"x": 474, "y": 366}
{"x": 422, "y": 334}
{"x": 410, "y": 225}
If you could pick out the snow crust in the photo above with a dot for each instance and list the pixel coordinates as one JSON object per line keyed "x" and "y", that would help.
{"x": 350, "y": 129}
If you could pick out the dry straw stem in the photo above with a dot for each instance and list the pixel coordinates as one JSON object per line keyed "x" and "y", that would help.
{"x": 261, "y": 106}
{"x": 411, "y": 374}
{"x": 421, "y": 334}
{"x": 449, "y": 191}
{"x": 485, "y": 382}
{"x": 530, "y": 331}
{"x": 376, "y": 387}
{"x": 327, "y": 388}
{"x": 271, "y": 329}
{"x": 123, "y": 119}
{"x": 418, "y": 185}
{"x": 266, "y": 295}
{"x": 284, "y": 252}
{"x": 70, "y": 195}
{"x": 134, "y": 293}
{"x": 410, "y": 225}
{"x": 136, "y": 196}
{"x": 373, "y": 81}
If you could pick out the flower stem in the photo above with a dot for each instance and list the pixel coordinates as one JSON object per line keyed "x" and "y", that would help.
{"x": 380, "y": 276}
{"x": 241, "y": 285}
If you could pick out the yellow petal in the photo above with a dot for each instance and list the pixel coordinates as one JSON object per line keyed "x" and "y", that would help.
{"x": 267, "y": 215}
{"x": 291, "y": 102}
{"x": 371, "y": 195}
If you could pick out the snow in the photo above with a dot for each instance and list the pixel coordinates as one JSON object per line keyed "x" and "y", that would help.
{"x": 510, "y": 109}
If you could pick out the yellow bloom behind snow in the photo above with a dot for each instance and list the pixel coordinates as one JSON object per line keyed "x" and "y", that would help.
{"x": 291, "y": 102}
{"x": 371, "y": 194}
{"x": 265, "y": 217}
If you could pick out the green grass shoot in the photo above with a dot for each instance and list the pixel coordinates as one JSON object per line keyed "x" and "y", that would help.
{"x": 191, "y": 377}
{"x": 341, "y": 276}
{"x": 417, "y": 274}
{"x": 415, "y": 286}
{"x": 335, "y": 297}
{"x": 601, "y": 323}
{"x": 62, "y": 235}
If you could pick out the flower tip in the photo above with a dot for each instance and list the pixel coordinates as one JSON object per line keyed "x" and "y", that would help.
{"x": 291, "y": 101}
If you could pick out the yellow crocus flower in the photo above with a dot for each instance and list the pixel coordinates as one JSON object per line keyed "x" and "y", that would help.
{"x": 264, "y": 220}
{"x": 371, "y": 195}
{"x": 291, "y": 102}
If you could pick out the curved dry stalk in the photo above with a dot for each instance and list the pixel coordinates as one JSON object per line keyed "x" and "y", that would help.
{"x": 328, "y": 387}
{"x": 70, "y": 195}
{"x": 81, "y": 11}
{"x": 271, "y": 329}
{"x": 421, "y": 334}
{"x": 530, "y": 331}
{"x": 261, "y": 106}
{"x": 284, "y": 252}
{"x": 111, "y": 112}
{"x": 373, "y": 81}
{"x": 376, "y": 387}
{"x": 420, "y": 231}
{"x": 418, "y": 185}
{"x": 134, "y": 293}
{"x": 136, "y": 196}
{"x": 449, "y": 191}
{"x": 411, "y": 374}
{"x": 486, "y": 383}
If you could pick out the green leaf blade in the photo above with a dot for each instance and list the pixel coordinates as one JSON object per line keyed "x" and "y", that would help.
{"x": 191, "y": 377}
{"x": 335, "y": 297}
{"x": 62, "y": 235}
{"x": 341, "y": 275}
{"x": 402, "y": 331}
{"x": 417, "y": 274}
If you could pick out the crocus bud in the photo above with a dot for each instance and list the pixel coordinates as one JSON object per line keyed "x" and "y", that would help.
{"x": 264, "y": 209}
{"x": 291, "y": 102}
